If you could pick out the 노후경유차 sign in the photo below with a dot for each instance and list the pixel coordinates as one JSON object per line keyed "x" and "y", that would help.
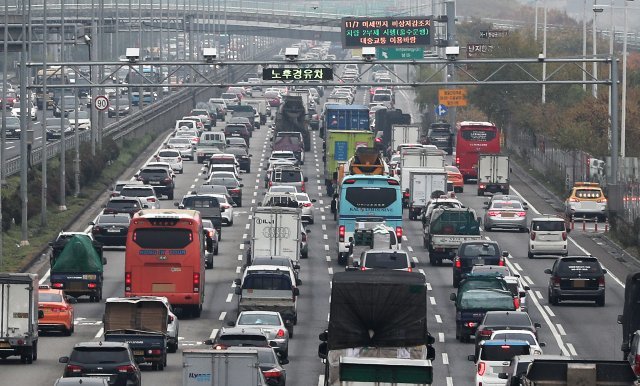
{"x": 297, "y": 73}
{"x": 386, "y": 31}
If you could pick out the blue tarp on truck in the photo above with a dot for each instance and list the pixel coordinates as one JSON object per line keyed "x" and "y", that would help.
{"x": 346, "y": 117}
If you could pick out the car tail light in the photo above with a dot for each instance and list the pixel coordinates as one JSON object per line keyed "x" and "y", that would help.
{"x": 73, "y": 369}
{"x": 57, "y": 285}
{"x": 127, "y": 281}
{"x": 273, "y": 373}
{"x": 234, "y": 191}
{"x": 601, "y": 281}
{"x": 393, "y": 182}
{"x": 280, "y": 333}
{"x": 398, "y": 233}
{"x": 521, "y": 214}
{"x": 302, "y": 187}
{"x": 167, "y": 180}
{"x": 156, "y": 351}
{"x": 307, "y": 204}
{"x": 636, "y": 365}
{"x": 92, "y": 285}
{"x": 486, "y": 332}
{"x": 501, "y": 262}
{"x": 556, "y": 281}
{"x": 516, "y": 302}
{"x": 457, "y": 262}
{"x": 482, "y": 186}
{"x": 457, "y": 161}
{"x": 533, "y": 236}
{"x": 378, "y": 140}
{"x": 225, "y": 206}
{"x": 196, "y": 282}
{"x": 471, "y": 324}
{"x": 59, "y": 309}
{"x": 601, "y": 200}
{"x": 564, "y": 236}
{"x": 341, "y": 232}
{"x": 96, "y": 229}
{"x": 126, "y": 368}
{"x": 303, "y": 237}
{"x": 481, "y": 368}
{"x": 151, "y": 199}
{"x": 492, "y": 213}
{"x": 574, "y": 199}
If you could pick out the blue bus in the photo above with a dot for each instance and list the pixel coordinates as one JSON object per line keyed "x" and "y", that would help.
{"x": 367, "y": 196}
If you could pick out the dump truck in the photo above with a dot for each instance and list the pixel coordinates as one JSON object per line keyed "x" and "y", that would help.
{"x": 339, "y": 145}
{"x": 78, "y": 270}
{"x": 292, "y": 116}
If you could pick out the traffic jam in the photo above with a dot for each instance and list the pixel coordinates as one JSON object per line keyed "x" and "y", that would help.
{"x": 318, "y": 235}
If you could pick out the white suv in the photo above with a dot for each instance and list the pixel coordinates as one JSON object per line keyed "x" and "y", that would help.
{"x": 494, "y": 358}
{"x": 547, "y": 236}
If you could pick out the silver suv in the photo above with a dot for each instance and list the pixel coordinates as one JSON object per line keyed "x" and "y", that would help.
{"x": 145, "y": 192}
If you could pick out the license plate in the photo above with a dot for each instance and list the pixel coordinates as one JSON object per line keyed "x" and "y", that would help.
{"x": 154, "y": 182}
{"x": 5, "y": 345}
{"x": 107, "y": 377}
{"x": 579, "y": 283}
{"x": 113, "y": 230}
{"x": 138, "y": 352}
{"x": 480, "y": 261}
{"x": 506, "y": 214}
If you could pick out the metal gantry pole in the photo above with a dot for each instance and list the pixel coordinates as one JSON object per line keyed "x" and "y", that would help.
{"x": 76, "y": 143}
{"x": 584, "y": 44}
{"x": 451, "y": 41}
{"x": 63, "y": 144}
{"x": 614, "y": 122}
{"x": 45, "y": 161}
{"x": 593, "y": 42}
{"x": 544, "y": 52}
{"x": 3, "y": 136}
{"x": 623, "y": 116}
{"x": 24, "y": 161}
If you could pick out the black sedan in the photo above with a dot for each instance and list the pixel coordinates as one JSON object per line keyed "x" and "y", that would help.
{"x": 233, "y": 186}
{"x": 13, "y": 127}
{"x": 111, "y": 229}
{"x": 271, "y": 366}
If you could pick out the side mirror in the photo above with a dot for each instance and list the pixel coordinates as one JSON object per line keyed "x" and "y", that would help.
{"x": 527, "y": 288}
{"x": 604, "y": 271}
{"x": 542, "y": 344}
{"x": 547, "y": 271}
{"x": 505, "y": 253}
{"x": 208, "y": 342}
{"x": 537, "y": 325}
{"x": 90, "y": 223}
{"x": 306, "y": 179}
{"x": 471, "y": 358}
{"x": 62, "y": 359}
{"x": 503, "y": 375}
{"x": 619, "y": 319}
{"x": 40, "y": 314}
{"x": 145, "y": 206}
{"x": 296, "y": 291}
{"x": 283, "y": 361}
{"x": 323, "y": 336}
{"x": 431, "y": 353}
{"x": 237, "y": 282}
{"x": 323, "y": 350}
{"x": 453, "y": 297}
{"x": 242, "y": 185}
{"x": 238, "y": 291}
{"x": 250, "y": 155}
{"x": 231, "y": 323}
{"x": 298, "y": 281}
{"x": 181, "y": 206}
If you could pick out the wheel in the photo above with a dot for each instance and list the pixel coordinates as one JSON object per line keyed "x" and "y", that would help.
{"x": 480, "y": 192}
{"x": 26, "y": 357}
{"x": 215, "y": 250}
{"x": 197, "y": 311}
{"x": 170, "y": 195}
{"x": 172, "y": 347}
{"x": 530, "y": 255}
{"x": 35, "y": 351}
{"x": 231, "y": 222}
{"x": 506, "y": 191}
{"x": 66, "y": 332}
{"x": 290, "y": 329}
{"x": 248, "y": 170}
{"x": 456, "y": 282}
{"x": 342, "y": 259}
{"x": 304, "y": 255}
{"x": 433, "y": 261}
{"x": 553, "y": 300}
{"x": 311, "y": 221}
{"x": 240, "y": 204}
{"x": 600, "y": 301}
{"x": 208, "y": 265}
{"x": 200, "y": 160}
{"x": 487, "y": 228}
{"x": 465, "y": 338}
{"x": 523, "y": 230}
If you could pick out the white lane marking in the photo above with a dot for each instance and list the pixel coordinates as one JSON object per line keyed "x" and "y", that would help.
{"x": 441, "y": 337}
{"x": 445, "y": 358}
{"x": 213, "y": 334}
{"x": 561, "y": 329}
{"x": 244, "y": 236}
{"x": 238, "y": 269}
{"x": 247, "y": 226}
{"x": 321, "y": 202}
{"x": 428, "y": 285}
{"x": 538, "y": 294}
{"x": 45, "y": 277}
{"x": 324, "y": 227}
{"x": 325, "y": 237}
{"x": 192, "y": 187}
{"x": 438, "y": 318}
{"x": 518, "y": 267}
{"x": 250, "y": 217}
{"x": 99, "y": 333}
{"x": 528, "y": 280}
{"x": 229, "y": 297}
{"x": 222, "y": 315}
{"x": 572, "y": 349}
{"x": 404, "y": 238}
{"x": 330, "y": 270}
{"x": 196, "y": 180}
{"x": 548, "y": 309}
{"x": 241, "y": 246}
{"x": 328, "y": 258}
{"x": 432, "y": 300}
{"x": 321, "y": 380}
{"x": 409, "y": 248}
{"x": 326, "y": 247}
{"x": 255, "y": 194}
{"x": 239, "y": 257}
{"x": 323, "y": 217}
{"x": 449, "y": 381}
{"x": 253, "y": 201}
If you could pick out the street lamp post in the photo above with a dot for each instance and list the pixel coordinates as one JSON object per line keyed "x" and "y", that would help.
{"x": 593, "y": 38}
{"x": 544, "y": 53}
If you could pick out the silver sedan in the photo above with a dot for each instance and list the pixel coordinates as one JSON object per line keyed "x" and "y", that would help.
{"x": 271, "y": 324}
{"x": 505, "y": 214}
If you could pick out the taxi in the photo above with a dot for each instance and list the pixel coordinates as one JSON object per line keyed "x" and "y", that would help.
{"x": 58, "y": 310}
{"x": 455, "y": 177}
{"x": 586, "y": 200}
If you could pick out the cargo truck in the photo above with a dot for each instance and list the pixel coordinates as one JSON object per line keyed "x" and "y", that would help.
{"x": 19, "y": 316}
{"x": 276, "y": 231}
{"x": 345, "y": 117}
{"x": 368, "y": 161}
{"x": 339, "y": 145}
{"x": 549, "y": 372}
{"x": 419, "y": 184}
{"x": 78, "y": 269}
{"x": 493, "y": 174}
{"x": 404, "y": 134}
{"x": 447, "y": 229}
{"x": 292, "y": 116}
{"x": 233, "y": 366}
{"x": 441, "y": 136}
{"x": 399, "y": 351}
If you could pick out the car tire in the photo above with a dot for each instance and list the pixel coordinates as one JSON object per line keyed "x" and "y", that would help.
{"x": 487, "y": 228}
{"x": 311, "y": 221}
{"x": 215, "y": 251}
{"x": 553, "y": 300}
{"x": 480, "y": 192}
{"x": 170, "y": 195}
{"x": 600, "y": 301}
{"x": 342, "y": 259}
{"x": 240, "y": 204}
{"x": 433, "y": 261}
{"x": 290, "y": 329}
{"x": 67, "y": 331}
{"x": 456, "y": 282}
{"x": 172, "y": 348}
{"x": 27, "y": 357}
{"x": 34, "y": 351}
{"x": 530, "y": 255}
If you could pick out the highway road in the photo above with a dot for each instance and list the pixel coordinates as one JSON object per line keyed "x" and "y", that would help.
{"x": 577, "y": 329}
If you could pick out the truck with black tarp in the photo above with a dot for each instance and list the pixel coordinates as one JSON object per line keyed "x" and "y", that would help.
{"x": 550, "y": 372}
{"x": 377, "y": 331}
{"x": 78, "y": 269}
{"x": 140, "y": 323}
{"x": 292, "y": 116}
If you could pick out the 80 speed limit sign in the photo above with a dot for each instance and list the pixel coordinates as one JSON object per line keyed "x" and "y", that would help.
{"x": 101, "y": 103}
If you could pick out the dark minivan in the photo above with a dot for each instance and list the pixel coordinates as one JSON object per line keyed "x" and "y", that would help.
{"x": 472, "y": 253}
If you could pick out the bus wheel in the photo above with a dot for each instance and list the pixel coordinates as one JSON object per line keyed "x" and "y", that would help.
{"x": 196, "y": 311}
{"x": 342, "y": 259}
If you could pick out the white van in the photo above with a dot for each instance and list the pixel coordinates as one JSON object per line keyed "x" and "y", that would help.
{"x": 548, "y": 236}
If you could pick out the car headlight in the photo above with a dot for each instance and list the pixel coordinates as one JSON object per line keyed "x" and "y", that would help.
{"x": 537, "y": 352}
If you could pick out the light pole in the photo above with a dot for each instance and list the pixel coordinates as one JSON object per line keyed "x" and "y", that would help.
{"x": 593, "y": 38}
{"x": 584, "y": 45}
{"x": 544, "y": 54}
{"x": 623, "y": 115}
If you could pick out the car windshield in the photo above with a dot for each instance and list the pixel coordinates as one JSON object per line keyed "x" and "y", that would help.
{"x": 503, "y": 353}
{"x": 259, "y": 320}
{"x": 123, "y": 204}
{"x": 153, "y": 173}
{"x": 48, "y": 297}
{"x": 302, "y": 197}
{"x": 227, "y": 182}
{"x": 548, "y": 226}
{"x": 229, "y": 95}
{"x": 99, "y": 355}
{"x": 472, "y": 250}
{"x": 287, "y": 176}
{"x": 200, "y": 202}
{"x": 574, "y": 268}
{"x": 207, "y": 224}
{"x": 179, "y": 141}
{"x": 113, "y": 219}
{"x": 386, "y": 260}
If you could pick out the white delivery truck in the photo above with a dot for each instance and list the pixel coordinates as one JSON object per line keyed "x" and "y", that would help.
{"x": 233, "y": 366}
{"x": 493, "y": 174}
{"x": 404, "y": 134}
{"x": 276, "y": 232}
{"x": 431, "y": 158}
{"x": 260, "y": 105}
{"x": 421, "y": 184}
{"x": 19, "y": 316}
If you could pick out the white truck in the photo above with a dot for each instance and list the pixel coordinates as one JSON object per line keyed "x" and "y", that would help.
{"x": 421, "y": 183}
{"x": 230, "y": 367}
{"x": 276, "y": 232}
{"x": 261, "y": 107}
{"x": 404, "y": 134}
{"x": 493, "y": 174}
{"x": 19, "y": 316}
{"x": 431, "y": 158}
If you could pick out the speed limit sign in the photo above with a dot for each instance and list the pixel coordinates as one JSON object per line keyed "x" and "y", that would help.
{"x": 101, "y": 103}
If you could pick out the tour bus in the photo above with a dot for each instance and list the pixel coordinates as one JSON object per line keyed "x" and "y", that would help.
{"x": 473, "y": 139}
{"x": 363, "y": 197}
{"x": 164, "y": 256}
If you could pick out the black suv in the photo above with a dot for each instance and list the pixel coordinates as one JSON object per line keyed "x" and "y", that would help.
{"x": 242, "y": 155}
{"x": 112, "y": 360}
{"x": 472, "y": 253}
{"x": 160, "y": 179}
{"x": 129, "y": 205}
{"x": 237, "y": 130}
{"x": 576, "y": 278}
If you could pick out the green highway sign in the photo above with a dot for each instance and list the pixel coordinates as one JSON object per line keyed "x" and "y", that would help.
{"x": 394, "y": 53}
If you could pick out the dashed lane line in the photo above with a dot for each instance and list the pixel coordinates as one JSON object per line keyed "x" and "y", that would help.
{"x": 549, "y": 311}
{"x": 445, "y": 358}
{"x": 223, "y": 314}
{"x": 561, "y": 330}
{"x": 441, "y": 337}
{"x": 438, "y": 318}
{"x": 229, "y": 298}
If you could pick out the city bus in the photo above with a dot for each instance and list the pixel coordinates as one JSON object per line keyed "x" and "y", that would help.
{"x": 362, "y": 197}
{"x": 54, "y": 75}
{"x": 473, "y": 139}
{"x": 165, "y": 256}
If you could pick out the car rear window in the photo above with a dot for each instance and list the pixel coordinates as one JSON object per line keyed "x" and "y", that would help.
{"x": 155, "y": 174}
{"x": 123, "y": 219}
{"x": 282, "y": 201}
{"x": 162, "y": 238}
{"x": 514, "y": 336}
{"x": 588, "y": 193}
{"x": 228, "y": 182}
{"x": 274, "y": 282}
{"x": 179, "y": 141}
{"x": 266, "y": 356}
{"x": 48, "y": 297}
{"x": 259, "y": 320}
{"x": 243, "y": 340}
{"x": 509, "y": 319}
{"x": 473, "y": 250}
{"x": 574, "y": 268}
{"x": 168, "y": 153}
{"x": 123, "y": 204}
{"x": 506, "y": 205}
{"x": 503, "y": 352}
{"x": 271, "y": 261}
{"x": 200, "y": 202}
{"x": 137, "y": 192}
{"x": 287, "y": 176}
{"x": 548, "y": 226}
{"x": 386, "y": 260}
{"x": 99, "y": 355}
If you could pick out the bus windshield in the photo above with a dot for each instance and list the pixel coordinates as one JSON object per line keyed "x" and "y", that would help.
{"x": 163, "y": 238}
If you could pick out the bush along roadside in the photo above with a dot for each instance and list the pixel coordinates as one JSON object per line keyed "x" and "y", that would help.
{"x": 97, "y": 172}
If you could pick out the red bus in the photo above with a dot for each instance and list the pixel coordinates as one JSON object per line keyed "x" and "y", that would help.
{"x": 473, "y": 139}
{"x": 165, "y": 256}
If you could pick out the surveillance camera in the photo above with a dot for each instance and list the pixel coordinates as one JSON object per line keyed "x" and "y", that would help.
{"x": 291, "y": 53}
{"x": 209, "y": 53}
{"x": 368, "y": 53}
{"x": 452, "y": 51}
{"x": 540, "y": 57}
{"x": 132, "y": 54}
